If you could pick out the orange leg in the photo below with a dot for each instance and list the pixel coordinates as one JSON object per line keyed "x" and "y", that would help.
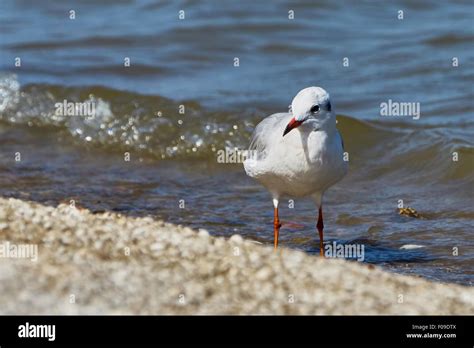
{"x": 320, "y": 226}
{"x": 276, "y": 227}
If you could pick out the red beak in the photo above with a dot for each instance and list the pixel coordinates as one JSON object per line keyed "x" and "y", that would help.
{"x": 291, "y": 125}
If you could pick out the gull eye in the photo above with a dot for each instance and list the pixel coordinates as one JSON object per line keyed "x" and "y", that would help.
{"x": 314, "y": 109}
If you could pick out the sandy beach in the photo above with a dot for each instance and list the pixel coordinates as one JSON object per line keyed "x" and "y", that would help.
{"x": 107, "y": 263}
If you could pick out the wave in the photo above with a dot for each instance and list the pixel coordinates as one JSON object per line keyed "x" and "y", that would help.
{"x": 167, "y": 129}
{"x": 151, "y": 125}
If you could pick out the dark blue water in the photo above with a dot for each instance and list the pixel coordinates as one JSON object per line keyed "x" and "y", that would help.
{"x": 409, "y": 59}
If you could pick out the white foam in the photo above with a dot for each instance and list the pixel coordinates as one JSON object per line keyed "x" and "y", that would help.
{"x": 9, "y": 92}
{"x": 411, "y": 246}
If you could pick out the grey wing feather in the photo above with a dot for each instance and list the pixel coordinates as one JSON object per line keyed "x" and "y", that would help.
{"x": 263, "y": 133}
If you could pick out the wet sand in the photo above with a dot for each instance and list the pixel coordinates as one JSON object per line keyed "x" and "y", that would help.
{"x": 107, "y": 263}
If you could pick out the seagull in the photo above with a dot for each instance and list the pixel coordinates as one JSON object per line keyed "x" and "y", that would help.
{"x": 298, "y": 153}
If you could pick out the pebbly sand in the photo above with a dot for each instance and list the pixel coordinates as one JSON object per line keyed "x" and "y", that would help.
{"x": 112, "y": 264}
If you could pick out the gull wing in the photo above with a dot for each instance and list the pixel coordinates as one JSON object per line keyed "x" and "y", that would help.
{"x": 267, "y": 131}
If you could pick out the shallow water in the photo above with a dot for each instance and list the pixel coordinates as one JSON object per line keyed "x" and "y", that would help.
{"x": 173, "y": 155}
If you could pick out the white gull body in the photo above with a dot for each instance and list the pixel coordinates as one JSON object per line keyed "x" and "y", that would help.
{"x": 308, "y": 159}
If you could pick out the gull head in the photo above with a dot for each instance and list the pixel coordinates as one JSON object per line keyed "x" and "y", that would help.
{"x": 311, "y": 107}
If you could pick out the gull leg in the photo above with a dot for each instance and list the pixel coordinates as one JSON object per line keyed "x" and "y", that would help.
{"x": 320, "y": 226}
{"x": 276, "y": 223}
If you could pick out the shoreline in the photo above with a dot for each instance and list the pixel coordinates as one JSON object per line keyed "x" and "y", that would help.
{"x": 108, "y": 263}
